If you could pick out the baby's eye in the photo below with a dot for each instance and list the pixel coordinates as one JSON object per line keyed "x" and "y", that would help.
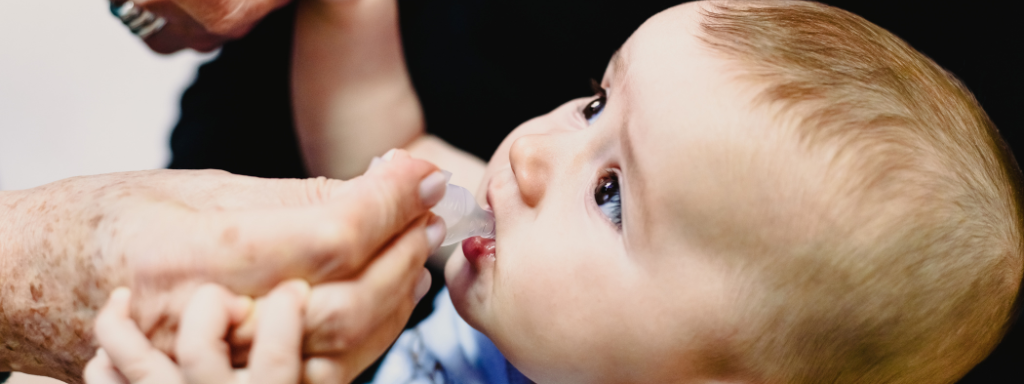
{"x": 608, "y": 198}
{"x": 593, "y": 109}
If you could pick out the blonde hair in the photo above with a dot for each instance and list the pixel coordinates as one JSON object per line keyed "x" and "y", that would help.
{"x": 918, "y": 280}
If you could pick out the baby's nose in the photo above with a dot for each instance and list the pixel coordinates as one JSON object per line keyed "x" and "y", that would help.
{"x": 531, "y": 164}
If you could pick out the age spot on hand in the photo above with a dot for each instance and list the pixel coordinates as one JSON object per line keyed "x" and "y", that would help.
{"x": 37, "y": 291}
{"x": 229, "y": 236}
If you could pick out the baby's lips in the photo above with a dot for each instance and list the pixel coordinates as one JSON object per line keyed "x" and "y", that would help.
{"x": 478, "y": 250}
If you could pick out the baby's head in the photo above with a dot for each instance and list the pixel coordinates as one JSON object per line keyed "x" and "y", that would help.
{"x": 775, "y": 192}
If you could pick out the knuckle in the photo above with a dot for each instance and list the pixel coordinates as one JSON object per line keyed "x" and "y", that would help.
{"x": 317, "y": 189}
{"x": 233, "y": 19}
{"x": 222, "y": 24}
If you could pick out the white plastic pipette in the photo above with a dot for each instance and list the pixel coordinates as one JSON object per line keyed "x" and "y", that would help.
{"x": 462, "y": 216}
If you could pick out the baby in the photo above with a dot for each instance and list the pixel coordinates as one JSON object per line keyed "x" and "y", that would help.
{"x": 760, "y": 192}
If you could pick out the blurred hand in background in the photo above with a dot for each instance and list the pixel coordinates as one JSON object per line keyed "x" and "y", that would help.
{"x": 204, "y": 25}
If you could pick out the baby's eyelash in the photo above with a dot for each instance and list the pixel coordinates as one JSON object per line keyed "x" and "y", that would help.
{"x": 595, "y": 106}
{"x": 596, "y": 87}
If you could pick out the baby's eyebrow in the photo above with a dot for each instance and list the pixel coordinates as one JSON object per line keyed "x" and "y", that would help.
{"x": 618, "y": 63}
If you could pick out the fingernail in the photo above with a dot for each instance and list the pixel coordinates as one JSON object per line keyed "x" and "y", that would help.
{"x": 374, "y": 163}
{"x": 422, "y": 286}
{"x": 121, "y": 293}
{"x": 389, "y": 154}
{"x": 432, "y": 188}
{"x": 243, "y": 304}
{"x": 319, "y": 370}
{"x": 435, "y": 233}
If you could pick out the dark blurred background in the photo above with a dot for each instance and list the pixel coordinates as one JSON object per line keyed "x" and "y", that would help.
{"x": 482, "y": 67}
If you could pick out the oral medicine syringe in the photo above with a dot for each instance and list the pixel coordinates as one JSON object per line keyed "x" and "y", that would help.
{"x": 462, "y": 216}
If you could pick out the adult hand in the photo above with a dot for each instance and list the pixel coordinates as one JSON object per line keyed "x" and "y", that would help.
{"x": 66, "y": 245}
{"x": 204, "y": 25}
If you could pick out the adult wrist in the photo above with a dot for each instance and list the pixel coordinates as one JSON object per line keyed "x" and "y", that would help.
{"x": 49, "y": 291}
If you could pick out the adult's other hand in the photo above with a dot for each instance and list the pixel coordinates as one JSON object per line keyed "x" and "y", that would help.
{"x": 204, "y": 25}
{"x": 66, "y": 245}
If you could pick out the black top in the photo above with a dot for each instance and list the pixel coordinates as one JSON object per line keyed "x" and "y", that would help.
{"x": 483, "y": 67}
{"x": 480, "y": 67}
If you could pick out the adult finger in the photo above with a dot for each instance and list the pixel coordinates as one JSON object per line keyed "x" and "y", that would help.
{"x": 229, "y": 18}
{"x": 128, "y": 349}
{"x": 202, "y": 353}
{"x": 343, "y": 367}
{"x": 100, "y": 370}
{"x": 276, "y": 356}
{"x": 340, "y": 315}
{"x": 380, "y": 339}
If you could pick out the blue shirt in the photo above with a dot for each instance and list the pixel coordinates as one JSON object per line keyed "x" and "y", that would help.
{"x": 445, "y": 349}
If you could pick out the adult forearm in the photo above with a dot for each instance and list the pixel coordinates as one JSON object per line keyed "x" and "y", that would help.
{"x": 52, "y": 281}
{"x": 353, "y": 98}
